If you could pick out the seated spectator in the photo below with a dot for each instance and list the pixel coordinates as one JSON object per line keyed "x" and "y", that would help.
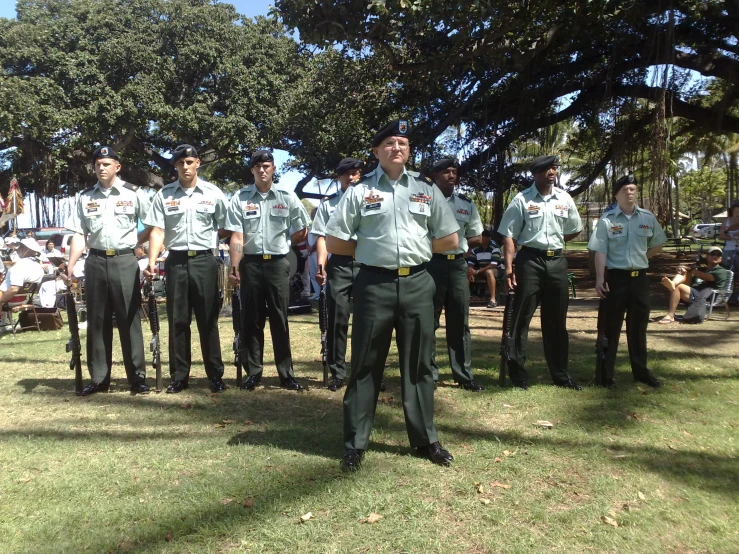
{"x": 485, "y": 263}
{"x": 694, "y": 285}
{"x": 51, "y": 251}
{"x": 25, "y": 271}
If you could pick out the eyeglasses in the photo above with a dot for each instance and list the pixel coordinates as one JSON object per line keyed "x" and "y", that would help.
{"x": 395, "y": 144}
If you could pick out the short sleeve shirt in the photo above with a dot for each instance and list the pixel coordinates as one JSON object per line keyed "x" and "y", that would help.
{"x": 468, "y": 218}
{"x": 531, "y": 220}
{"x": 625, "y": 240}
{"x": 266, "y": 221}
{"x": 190, "y": 221}
{"x": 393, "y": 223}
{"x": 325, "y": 209}
{"x": 109, "y": 218}
{"x": 24, "y": 272}
{"x": 720, "y": 275}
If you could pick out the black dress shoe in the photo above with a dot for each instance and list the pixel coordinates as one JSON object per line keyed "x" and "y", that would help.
{"x": 382, "y": 387}
{"x": 290, "y": 383}
{"x": 140, "y": 388}
{"x": 352, "y": 459}
{"x": 217, "y": 385}
{"x": 177, "y": 386}
{"x": 92, "y": 388}
{"x": 471, "y": 386}
{"x": 523, "y": 385}
{"x": 436, "y": 453}
{"x": 569, "y": 384}
{"x": 651, "y": 381}
{"x": 251, "y": 382}
{"x": 335, "y": 384}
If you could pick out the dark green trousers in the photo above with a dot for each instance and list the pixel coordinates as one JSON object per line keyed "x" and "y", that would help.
{"x": 382, "y": 303}
{"x": 112, "y": 287}
{"x": 192, "y": 287}
{"x": 265, "y": 289}
{"x": 629, "y": 295}
{"x": 541, "y": 280}
{"x": 453, "y": 296}
{"x": 341, "y": 272}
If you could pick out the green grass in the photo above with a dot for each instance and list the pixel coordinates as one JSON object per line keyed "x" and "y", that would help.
{"x": 164, "y": 473}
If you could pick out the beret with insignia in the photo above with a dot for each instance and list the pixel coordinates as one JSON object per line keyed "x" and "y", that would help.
{"x": 396, "y": 128}
{"x": 261, "y": 156}
{"x": 542, "y": 163}
{"x": 629, "y": 179}
{"x": 348, "y": 164}
{"x": 105, "y": 152}
{"x": 446, "y": 163}
{"x": 184, "y": 151}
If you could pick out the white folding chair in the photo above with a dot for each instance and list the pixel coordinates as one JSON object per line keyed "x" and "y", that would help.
{"x": 720, "y": 297}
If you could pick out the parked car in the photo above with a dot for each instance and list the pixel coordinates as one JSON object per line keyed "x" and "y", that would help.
{"x": 706, "y": 230}
{"x": 61, "y": 241}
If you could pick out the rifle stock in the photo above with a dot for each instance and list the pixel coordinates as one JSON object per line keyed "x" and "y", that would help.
{"x": 323, "y": 324}
{"x": 507, "y": 338}
{"x": 73, "y": 345}
{"x": 236, "y": 320}
{"x": 154, "y": 345}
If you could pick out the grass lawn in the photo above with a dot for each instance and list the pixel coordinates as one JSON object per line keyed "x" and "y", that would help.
{"x": 625, "y": 470}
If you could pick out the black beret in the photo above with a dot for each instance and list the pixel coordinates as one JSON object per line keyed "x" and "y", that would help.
{"x": 261, "y": 156}
{"x": 542, "y": 163}
{"x": 348, "y": 164}
{"x": 184, "y": 151}
{"x": 396, "y": 128}
{"x": 105, "y": 152}
{"x": 446, "y": 163}
{"x": 629, "y": 179}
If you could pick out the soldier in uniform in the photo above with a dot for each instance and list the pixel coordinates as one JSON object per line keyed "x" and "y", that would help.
{"x": 185, "y": 217}
{"x": 540, "y": 219}
{"x": 398, "y": 220}
{"x": 449, "y": 271}
{"x": 625, "y": 237}
{"x": 260, "y": 217}
{"x": 339, "y": 272}
{"x": 107, "y": 215}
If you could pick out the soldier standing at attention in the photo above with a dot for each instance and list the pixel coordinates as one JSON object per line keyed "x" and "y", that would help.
{"x": 540, "y": 219}
{"x": 625, "y": 237}
{"x": 449, "y": 271}
{"x": 339, "y": 272}
{"x": 107, "y": 215}
{"x": 185, "y": 217}
{"x": 260, "y": 217}
{"x": 398, "y": 220}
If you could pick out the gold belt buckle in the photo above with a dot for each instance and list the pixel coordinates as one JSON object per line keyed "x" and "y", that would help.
{"x": 110, "y": 252}
{"x": 266, "y": 256}
{"x": 404, "y": 271}
{"x": 635, "y": 273}
{"x": 550, "y": 253}
{"x": 192, "y": 253}
{"x": 451, "y": 256}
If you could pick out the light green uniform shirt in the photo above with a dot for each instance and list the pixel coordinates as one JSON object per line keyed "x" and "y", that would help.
{"x": 325, "y": 209}
{"x": 540, "y": 223}
{"x": 110, "y": 218}
{"x": 393, "y": 224}
{"x": 265, "y": 222}
{"x": 190, "y": 221}
{"x": 624, "y": 240}
{"x": 468, "y": 218}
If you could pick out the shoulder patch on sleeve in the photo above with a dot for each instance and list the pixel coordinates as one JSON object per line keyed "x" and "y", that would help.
{"x": 130, "y": 186}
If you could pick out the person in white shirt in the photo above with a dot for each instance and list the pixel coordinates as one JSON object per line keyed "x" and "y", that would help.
{"x": 25, "y": 271}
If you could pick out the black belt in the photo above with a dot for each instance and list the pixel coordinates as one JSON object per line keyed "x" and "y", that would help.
{"x": 262, "y": 257}
{"x": 400, "y": 272}
{"x": 341, "y": 259}
{"x": 448, "y": 256}
{"x": 110, "y": 252}
{"x": 628, "y": 272}
{"x": 543, "y": 253}
{"x": 190, "y": 253}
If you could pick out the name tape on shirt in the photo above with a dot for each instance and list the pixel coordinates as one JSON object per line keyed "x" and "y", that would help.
{"x": 172, "y": 206}
{"x": 92, "y": 208}
{"x": 251, "y": 210}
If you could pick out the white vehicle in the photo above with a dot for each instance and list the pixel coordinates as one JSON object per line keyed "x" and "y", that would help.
{"x": 705, "y": 230}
